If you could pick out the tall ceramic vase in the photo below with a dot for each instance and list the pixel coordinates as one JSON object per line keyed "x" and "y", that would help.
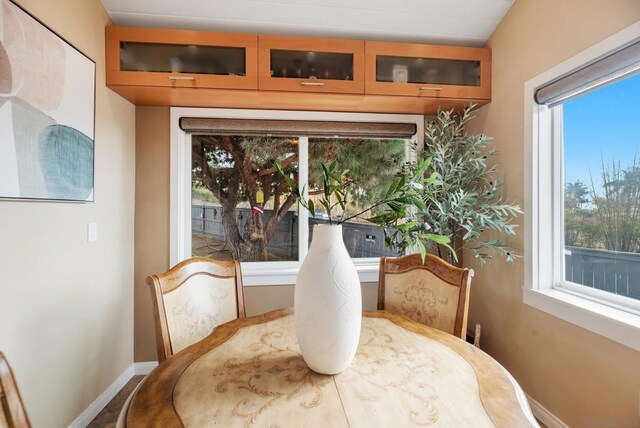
{"x": 328, "y": 303}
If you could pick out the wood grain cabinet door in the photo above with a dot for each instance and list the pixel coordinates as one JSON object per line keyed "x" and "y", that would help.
{"x": 299, "y": 64}
{"x": 427, "y": 71}
{"x": 181, "y": 58}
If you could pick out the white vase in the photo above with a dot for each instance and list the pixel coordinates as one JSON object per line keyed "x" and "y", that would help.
{"x": 328, "y": 303}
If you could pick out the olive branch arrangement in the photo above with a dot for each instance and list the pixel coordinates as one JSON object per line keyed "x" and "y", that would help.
{"x": 397, "y": 212}
{"x": 468, "y": 200}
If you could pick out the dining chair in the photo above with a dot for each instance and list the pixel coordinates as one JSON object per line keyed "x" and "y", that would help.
{"x": 434, "y": 293}
{"x": 193, "y": 298}
{"x": 13, "y": 414}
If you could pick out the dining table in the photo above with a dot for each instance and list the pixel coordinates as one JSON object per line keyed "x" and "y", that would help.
{"x": 249, "y": 373}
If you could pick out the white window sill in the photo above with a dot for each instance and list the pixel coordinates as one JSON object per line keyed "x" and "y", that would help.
{"x": 620, "y": 326}
{"x": 257, "y": 274}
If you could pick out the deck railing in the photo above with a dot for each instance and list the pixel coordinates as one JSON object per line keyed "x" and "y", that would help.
{"x": 613, "y": 271}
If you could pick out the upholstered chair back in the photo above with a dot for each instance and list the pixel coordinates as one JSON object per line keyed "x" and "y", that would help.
{"x": 193, "y": 298}
{"x": 434, "y": 293}
{"x": 12, "y": 412}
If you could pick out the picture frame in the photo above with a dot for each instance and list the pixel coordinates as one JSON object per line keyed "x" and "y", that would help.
{"x": 47, "y": 112}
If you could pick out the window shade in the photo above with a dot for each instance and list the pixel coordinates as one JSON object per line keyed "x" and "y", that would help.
{"x": 615, "y": 66}
{"x": 196, "y": 125}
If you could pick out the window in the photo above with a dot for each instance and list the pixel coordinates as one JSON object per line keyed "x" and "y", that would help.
{"x": 228, "y": 201}
{"x": 601, "y": 189}
{"x": 242, "y": 208}
{"x": 582, "y": 148}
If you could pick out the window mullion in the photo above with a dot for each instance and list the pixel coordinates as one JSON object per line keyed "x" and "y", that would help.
{"x": 544, "y": 235}
{"x": 557, "y": 194}
{"x": 184, "y": 195}
{"x": 303, "y": 183}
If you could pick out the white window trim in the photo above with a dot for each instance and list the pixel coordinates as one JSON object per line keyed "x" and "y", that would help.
{"x": 259, "y": 273}
{"x": 542, "y": 289}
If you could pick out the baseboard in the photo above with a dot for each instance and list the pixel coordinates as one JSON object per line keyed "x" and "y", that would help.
{"x": 543, "y": 415}
{"x": 144, "y": 368}
{"x": 101, "y": 402}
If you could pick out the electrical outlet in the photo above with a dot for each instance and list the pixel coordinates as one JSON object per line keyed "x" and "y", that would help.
{"x": 92, "y": 232}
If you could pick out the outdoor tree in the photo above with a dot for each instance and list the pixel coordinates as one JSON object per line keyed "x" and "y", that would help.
{"x": 605, "y": 215}
{"x": 235, "y": 169}
{"x": 580, "y": 225}
{"x": 617, "y": 206}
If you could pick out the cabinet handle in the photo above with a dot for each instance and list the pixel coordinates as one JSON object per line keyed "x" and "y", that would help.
{"x": 430, "y": 88}
{"x": 312, "y": 83}
{"x": 182, "y": 78}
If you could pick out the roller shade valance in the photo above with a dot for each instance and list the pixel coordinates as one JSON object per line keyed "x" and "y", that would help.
{"x": 617, "y": 65}
{"x": 201, "y": 126}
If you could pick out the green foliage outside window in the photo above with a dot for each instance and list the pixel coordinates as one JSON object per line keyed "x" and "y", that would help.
{"x": 605, "y": 215}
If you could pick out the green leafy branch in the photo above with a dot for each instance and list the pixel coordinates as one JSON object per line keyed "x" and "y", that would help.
{"x": 397, "y": 212}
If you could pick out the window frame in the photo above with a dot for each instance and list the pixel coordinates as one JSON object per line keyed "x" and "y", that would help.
{"x": 259, "y": 273}
{"x": 615, "y": 317}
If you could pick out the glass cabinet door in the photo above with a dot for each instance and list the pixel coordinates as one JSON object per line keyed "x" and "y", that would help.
{"x": 177, "y": 58}
{"x": 311, "y": 65}
{"x": 427, "y": 70}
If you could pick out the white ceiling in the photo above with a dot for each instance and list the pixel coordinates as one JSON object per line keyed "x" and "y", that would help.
{"x": 458, "y": 22}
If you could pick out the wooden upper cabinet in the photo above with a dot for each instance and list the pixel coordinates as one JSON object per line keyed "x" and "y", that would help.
{"x": 151, "y": 66}
{"x": 299, "y": 64}
{"x": 428, "y": 71}
{"x": 181, "y": 58}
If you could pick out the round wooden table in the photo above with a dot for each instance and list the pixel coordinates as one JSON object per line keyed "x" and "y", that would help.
{"x": 249, "y": 373}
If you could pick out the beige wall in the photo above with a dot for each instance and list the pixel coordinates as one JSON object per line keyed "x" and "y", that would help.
{"x": 583, "y": 378}
{"x": 66, "y": 309}
{"x": 152, "y": 219}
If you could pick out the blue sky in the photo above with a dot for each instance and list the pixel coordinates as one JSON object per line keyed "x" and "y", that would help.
{"x": 604, "y": 124}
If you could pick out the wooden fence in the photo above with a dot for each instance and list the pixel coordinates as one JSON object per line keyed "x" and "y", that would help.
{"x": 361, "y": 239}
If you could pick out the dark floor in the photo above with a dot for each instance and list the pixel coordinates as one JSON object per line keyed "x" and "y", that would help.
{"x": 108, "y": 417}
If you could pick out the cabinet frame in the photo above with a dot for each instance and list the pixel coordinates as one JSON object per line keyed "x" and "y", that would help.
{"x": 294, "y": 84}
{"x": 115, "y": 76}
{"x": 375, "y": 49}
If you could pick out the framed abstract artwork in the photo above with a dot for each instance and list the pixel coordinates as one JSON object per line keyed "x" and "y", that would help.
{"x": 47, "y": 112}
